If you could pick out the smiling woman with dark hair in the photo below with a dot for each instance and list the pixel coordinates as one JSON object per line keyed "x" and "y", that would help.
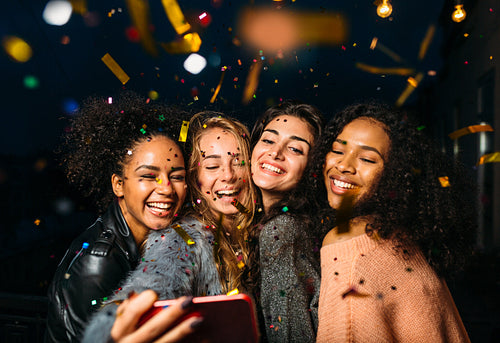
{"x": 126, "y": 157}
{"x": 404, "y": 220}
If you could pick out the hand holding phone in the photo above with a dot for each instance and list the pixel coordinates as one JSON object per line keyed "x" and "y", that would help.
{"x": 225, "y": 318}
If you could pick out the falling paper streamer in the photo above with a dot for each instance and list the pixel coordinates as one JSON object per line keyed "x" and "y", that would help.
{"x": 424, "y": 46}
{"x": 217, "y": 90}
{"x": 378, "y": 70}
{"x": 489, "y": 158}
{"x": 181, "y": 232}
{"x": 139, "y": 13}
{"x": 239, "y": 206}
{"x": 115, "y": 68}
{"x": 412, "y": 84}
{"x": 184, "y": 131}
{"x": 376, "y": 45}
{"x": 445, "y": 182}
{"x": 176, "y": 17}
{"x": 470, "y": 129}
{"x": 252, "y": 81}
{"x": 190, "y": 42}
{"x": 79, "y": 6}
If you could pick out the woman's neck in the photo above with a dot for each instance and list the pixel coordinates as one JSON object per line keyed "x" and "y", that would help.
{"x": 269, "y": 199}
{"x": 347, "y": 230}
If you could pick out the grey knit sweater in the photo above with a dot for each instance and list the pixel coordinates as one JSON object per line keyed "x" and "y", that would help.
{"x": 170, "y": 266}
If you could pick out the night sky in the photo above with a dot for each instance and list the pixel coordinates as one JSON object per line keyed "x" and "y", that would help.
{"x": 67, "y": 62}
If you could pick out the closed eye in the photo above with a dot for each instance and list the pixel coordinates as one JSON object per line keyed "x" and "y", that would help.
{"x": 337, "y": 152}
{"x": 267, "y": 141}
{"x": 298, "y": 151}
{"x": 367, "y": 160}
{"x": 149, "y": 176}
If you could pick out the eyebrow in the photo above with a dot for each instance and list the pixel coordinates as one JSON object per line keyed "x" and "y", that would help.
{"x": 155, "y": 168}
{"x": 364, "y": 147}
{"x": 295, "y": 138}
{"x": 219, "y": 156}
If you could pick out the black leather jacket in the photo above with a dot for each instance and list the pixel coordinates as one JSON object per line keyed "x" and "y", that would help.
{"x": 92, "y": 268}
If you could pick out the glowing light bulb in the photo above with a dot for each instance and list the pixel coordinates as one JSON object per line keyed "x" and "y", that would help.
{"x": 384, "y": 9}
{"x": 458, "y": 14}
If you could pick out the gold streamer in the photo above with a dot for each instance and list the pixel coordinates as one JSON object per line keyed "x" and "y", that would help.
{"x": 252, "y": 82}
{"x": 378, "y": 70}
{"x": 181, "y": 232}
{"x": 489, "y": 158}
{"x": 218, "y": 86}
{"x": 115, "y": 68}
{"x": 470, "y": 129}
{"x": 239, "y": 206}
{"x": 184, "y": 131}
{"x": 139, "y": 13}
{"x": 176, "y": 17}
{"x": 190, "y": 42}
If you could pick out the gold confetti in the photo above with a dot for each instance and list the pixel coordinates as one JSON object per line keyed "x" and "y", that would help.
{"x": 252, "y": 81}
{"x": 489, "y": 158}
{"x": 184, "y": 131}
{"x": 470, "y": 129}
{"x": 233, "y": 292}
{"x": 115, "y": 68}
{"x": 239, "y": 206}
{"x": 181, "y": 232}
{"x": 444, "y": 181}
{"x": 175, "y": 15}
{"x": 240, "y": 264}
{"x": 139, "y": 13}
{"x": 217, "y": 90}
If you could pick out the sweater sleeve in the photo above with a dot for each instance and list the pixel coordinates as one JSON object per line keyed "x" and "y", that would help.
{"x": 171, "y": 267}
{"x": 288, "y": 282}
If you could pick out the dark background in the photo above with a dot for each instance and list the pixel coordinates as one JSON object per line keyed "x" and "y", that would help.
{"x": 41, "y": 213}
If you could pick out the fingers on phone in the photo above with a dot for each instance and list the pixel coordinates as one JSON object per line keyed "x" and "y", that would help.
{"x": 181, "y": 331}
{"x": 130, "y": 311}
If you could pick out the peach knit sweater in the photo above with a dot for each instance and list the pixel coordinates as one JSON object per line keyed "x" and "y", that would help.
{"x": 372, "y": 292}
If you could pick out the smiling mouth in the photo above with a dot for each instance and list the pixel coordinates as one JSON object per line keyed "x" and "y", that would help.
{"x": 342, "y": 184}
{"x": 159, "y": 206}
{"x": 271, "y": 168}
{"x": 227, "y": 193}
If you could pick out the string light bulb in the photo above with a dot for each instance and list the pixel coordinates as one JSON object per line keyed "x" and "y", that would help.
{"x": 458, "y": 14}
{"x": 384, "y": 9}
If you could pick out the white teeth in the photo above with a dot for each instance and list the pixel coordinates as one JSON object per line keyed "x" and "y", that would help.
{"x": 271, "y": 168}
{"x": 160, "y": 205}
{"x": 342, "y": 184}
{"x": 228, "y": 192}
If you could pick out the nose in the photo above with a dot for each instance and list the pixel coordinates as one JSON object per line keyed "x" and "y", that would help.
{"x": 276, "y": 152}
{"x": 164, "y": 187}
{"x": 345, "y": 164}
{"x": 227, "y": 173}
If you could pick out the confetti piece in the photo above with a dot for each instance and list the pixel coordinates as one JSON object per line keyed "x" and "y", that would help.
{"x": 115, "y": 68}
{"x": 233, "y": 292}
{"x": 85, "y": 245}
{"x": 217, "y": 90}
{"x": 139, "y": 13}
{"x": 181, "y": 232}
{"x": 93, "y": 302}
{"x": 37, "y": 222}
{"x": 190, "y": 42}
{"x": 489, "y": 158}
{"x": 252, "y": 82}
{"x": 470, "y": 129}
{"x": 159, "y": 181}
{"x": 240, "y": 264}
{"x": 409, "y": 89}
{"x": 175, "y": 15}
{"x": 184, "y": 131}
{"x": 239, "y": 206}
{"x": 285, "y": 209}
{"x": 444, "y": 181}
{"x": 67, "y": 276}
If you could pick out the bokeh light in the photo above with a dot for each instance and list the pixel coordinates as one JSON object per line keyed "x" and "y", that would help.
{"x": 195, "y": 63}
{"x": 70, "y": 106}
{"x": 17, "y": 49}
{"x": 57, "y": 12}
{"x": 31, "y": 82}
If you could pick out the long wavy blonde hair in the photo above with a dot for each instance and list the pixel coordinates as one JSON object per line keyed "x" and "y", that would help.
{"x": 231, "y": 249}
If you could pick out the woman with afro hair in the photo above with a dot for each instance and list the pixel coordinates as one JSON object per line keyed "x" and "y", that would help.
{"x": 125, "y": 155}
{"x": 404, "y": 220}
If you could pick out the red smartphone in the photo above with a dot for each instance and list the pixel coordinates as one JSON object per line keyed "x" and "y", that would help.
{"x": 226, "y": 318}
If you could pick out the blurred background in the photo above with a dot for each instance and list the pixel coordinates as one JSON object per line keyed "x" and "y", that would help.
{"x": 435, "y": 58}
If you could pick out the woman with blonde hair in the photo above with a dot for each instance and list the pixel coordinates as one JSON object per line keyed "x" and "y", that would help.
{"x": 206, "y": 251}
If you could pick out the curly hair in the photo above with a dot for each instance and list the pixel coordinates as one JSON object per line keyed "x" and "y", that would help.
{"x": 224, "y": 251}
{"x": 409, "y": 204}
{"x": 101, "y": 135}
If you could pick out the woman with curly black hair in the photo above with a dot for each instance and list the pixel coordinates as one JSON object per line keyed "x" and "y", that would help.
{"x": 405, "y": 218}
{"x": 126, "y": 156}
{"x": 287, "y": 268}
